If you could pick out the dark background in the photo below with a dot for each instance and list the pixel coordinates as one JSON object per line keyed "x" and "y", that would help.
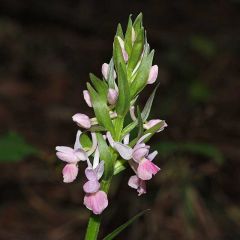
{"x": 47, "y": 49}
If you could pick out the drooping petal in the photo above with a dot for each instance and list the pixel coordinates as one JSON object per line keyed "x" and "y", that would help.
{"x": 132, "y": 113}
{"x": 70, "y": 172}
{"x": 82, "y": 120}
{"x": 146, "y": 169}
{"x": 124, "y": 150}
{"x": 96, "y": 158}
{"x": 141, "y": 139}
{"x": 153, "y": 74}
{"x": 87, "y": 98}
{"x": 96, "y": 202}
{"x": 77, "y": 144}
{"x": 133, "y": 182}
{"x": 152, "y": 155}
{"x": 91, "y": 186}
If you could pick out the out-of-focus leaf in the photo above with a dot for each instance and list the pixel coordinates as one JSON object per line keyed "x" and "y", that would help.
{"x": 13, "y": 148}
{"x": 101, "y": 109}
{"x": 148, "y": 105}
{"x": 118, "y": 230}
{"x": 123, "y": 102}
{"x": 199, "y": 92}
{"x": 204, "y": 149}
{"x": 203, "y": 46}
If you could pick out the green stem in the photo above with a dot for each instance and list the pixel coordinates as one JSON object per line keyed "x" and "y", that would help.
{"x": 95, "y": 220}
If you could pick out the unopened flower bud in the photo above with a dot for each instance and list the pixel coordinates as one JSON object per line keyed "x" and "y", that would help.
{"x": 153, "y": 74}
{"x": 112, "y": 96}
{"x": 87, "y": 98}
{"x": 105, "y": 71}
{"x": 125, "y": 55}
{"x": 82, "y": 120}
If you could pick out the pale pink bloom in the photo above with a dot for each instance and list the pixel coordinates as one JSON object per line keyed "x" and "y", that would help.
{"x": 70, "y": 172}
{"x": 112, "y": 96}
{"x": 137, "y": 183}
{"x": 153, "y": 74}
{"x": 125, "y": 55}
{"x": 87, "y": 98}
{"x": 96, "y": 202}
{"x": 153, "y": 122}
{"x": 140, "y": 151}
{"x": 146, "y": 169}
{"x": 82, "y": 120}
{"x": 105, "y": 71}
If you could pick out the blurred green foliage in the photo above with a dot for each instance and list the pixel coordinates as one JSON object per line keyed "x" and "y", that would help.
{"x": 14, "y": 148}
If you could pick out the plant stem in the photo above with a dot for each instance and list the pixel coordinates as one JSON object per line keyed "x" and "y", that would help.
{"x": 95, "y": 220}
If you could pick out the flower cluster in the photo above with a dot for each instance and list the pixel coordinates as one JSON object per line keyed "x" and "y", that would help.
{"x": 110, "y": 143}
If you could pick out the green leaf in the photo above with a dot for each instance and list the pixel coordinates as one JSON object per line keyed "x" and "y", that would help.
{"x": 138, "y": 23}
{"x": 136, "y": 52}
{"x": 120, "y": 31}
{"x": 123, "y": 102}
{"x": 100, "y": 86}
{"x": 117, "y": 55}
{"x": 148, "y": 105}
{"x": 129, "y": 128}
{"x": 118, "y": 230}
{"x": 128, "y": 37}
{"x": 106, "y": 156}
{"x": 141, "y": 78}
{"x": 101, "y": 109}
{"x": 85, "y": 141}
{"x": 13, "y": 148}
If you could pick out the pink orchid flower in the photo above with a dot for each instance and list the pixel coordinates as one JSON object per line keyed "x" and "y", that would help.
{"x": 146, "y": 169}
{"x": 95, "y": 199}
{"x": 74, "y": 155}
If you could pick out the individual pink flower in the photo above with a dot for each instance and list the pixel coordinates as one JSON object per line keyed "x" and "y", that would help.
{"x": 105, "y": 71}
{"x": 74, "y": 155}
{"x": 87, "y": 98}
{"x": 146, "y": 169}
{"x": 125, "y": 55}
{"x": 137, "y": 183}
{"x": 112, "y": 96}
{"x": 82, "y": 120}
{"x": 96, "y": 202}
{"x": 153, "y": 75}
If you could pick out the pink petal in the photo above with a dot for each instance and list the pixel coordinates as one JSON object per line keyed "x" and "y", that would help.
{"x": 105, "y": 69}
{"x": 140, "y": 153}
{"x": 67, "y": 157}
{"x": 112, "y": 96}
{"x": 70, "y": 172}
{"x": 82, "y": 120}
{"x": 146, "y": 169}
{"x": 90, "y": 174}
{"x": 64, "y": 149}
{"x": 91, "y": 186}
{"x": 124, "y": 150}
{"x": 153, "y": 74}
{"x": 133, "y": 182}
{"x": 96, "y": 202}
{"x": 87, "y": 98}
{"x": 81, "y": 155}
